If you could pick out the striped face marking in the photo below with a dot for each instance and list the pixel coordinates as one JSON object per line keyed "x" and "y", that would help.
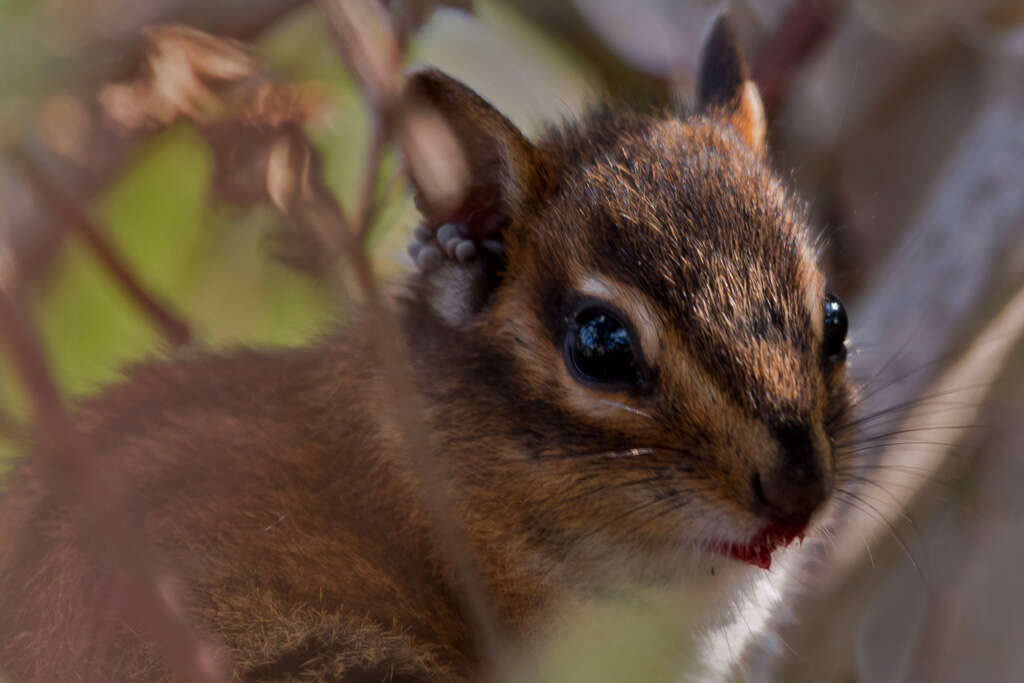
{"x": 671, "y": 309}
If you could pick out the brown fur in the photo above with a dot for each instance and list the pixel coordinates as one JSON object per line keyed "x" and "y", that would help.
{"x": 269, "y": 482}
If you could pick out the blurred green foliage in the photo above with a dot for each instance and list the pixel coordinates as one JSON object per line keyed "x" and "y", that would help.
{"x": 638, "y": 636}
{"x": 207, "y": 261}
{"x": 210, "y": 262}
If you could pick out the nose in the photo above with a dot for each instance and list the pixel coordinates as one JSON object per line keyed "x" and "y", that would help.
{"x": 794, "y": 486}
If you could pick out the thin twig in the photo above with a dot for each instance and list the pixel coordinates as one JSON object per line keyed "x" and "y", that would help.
{"x": 366, "y": 205}
{"x": 11, "y": 428}
{"x": 74, "y": 218}
{"x": 22, "y": 346}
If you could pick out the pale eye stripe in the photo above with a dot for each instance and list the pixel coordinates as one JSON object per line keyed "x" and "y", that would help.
{"x": 814, "y": 292}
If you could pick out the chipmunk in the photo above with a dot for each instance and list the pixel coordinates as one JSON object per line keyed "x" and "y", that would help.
{"x": 628, "y": 364}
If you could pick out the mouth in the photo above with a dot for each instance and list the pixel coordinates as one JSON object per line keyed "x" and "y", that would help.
{"x": 758, "y": 551}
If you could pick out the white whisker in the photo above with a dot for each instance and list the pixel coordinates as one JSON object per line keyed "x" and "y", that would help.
{"x": 628, "y": 409}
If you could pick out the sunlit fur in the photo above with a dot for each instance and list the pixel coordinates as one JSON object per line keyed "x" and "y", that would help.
{"x": 273, "y": 485}
{"x": 682, "y": 227}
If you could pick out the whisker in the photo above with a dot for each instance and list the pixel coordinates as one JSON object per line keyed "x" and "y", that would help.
{"x": 899, "y": 506}
{"x": 887, "y": 444}
{"x": 923, "y": 472}
{"x": 831, "y": 538}
{"x": 912, "y": 430}
{"x": 851, "y": 476}
{"x": 867, "y": 547}
{"x": 668, "y": 510}
{"x": 628, "y": 409}
{"x": 875, "y": 390}
{"x": 608, "y": 487}
{"x": 879, "y": 484}
{"x": 856, "y": 502}
{"x": 896, "y": 355}
{"x": 933, "y": 403}
{"x": 893, "y": 413}
{"x": 627, "y": 513}
{"x": 611, "y": 455}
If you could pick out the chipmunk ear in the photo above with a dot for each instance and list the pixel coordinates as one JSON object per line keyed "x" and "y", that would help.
{"x": 724, "y": 86}
{"x": 500, "y": 178}
{"x": 503, "y": 170}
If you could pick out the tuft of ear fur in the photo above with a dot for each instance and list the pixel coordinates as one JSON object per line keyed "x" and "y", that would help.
{"x": 724, "y": 86}
{"x": 459, "y": 246}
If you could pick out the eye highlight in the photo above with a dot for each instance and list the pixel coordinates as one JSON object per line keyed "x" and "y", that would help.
{"x": 836, "y": 326}
{"x": 599, "y": 348}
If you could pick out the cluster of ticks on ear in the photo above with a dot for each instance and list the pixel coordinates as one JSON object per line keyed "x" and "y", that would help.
{"x": 429, "y": 250}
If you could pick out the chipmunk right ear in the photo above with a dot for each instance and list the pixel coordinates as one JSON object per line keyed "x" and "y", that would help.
{"x": 498, "y": 175}
{"x": 724, "y": 86}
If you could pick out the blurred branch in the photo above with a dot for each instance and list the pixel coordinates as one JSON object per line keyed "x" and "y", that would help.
{"x": 568, "y": 24}
{"x": 114, "y": 539}
{"x": 408, "y": 16}
{"x": 146, "y": 599}
{"x": 981, "y": 554}
{"x": 804, "y": 27}
{"x": 366, "y": 205}
{"x": 32, "y": 230}
{"x": 10, "y": 428}
{"x": 965, "y": 384}
{"x": 369, "y": 47}
{"x": 24, "y": 351}
{"x": 74, "y": 217}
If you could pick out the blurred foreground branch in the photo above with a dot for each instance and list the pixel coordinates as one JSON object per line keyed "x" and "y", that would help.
{"x": 372, "y": 52}
{"x": 145, "y": 599}
{"x": 74, "y": 217}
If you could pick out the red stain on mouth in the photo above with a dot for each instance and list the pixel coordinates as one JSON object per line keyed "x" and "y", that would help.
{"x": 758, "y": 552}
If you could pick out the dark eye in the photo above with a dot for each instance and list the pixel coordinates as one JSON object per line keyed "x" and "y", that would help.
{"x": 835, "y": 327}
{"x": 599, "y": 348}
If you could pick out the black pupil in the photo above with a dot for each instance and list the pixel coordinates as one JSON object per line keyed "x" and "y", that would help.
{"x": 601, "y": 348}
{"x": 835, "y": 326}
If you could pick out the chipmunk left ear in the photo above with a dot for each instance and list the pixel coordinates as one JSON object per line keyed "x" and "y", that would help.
{"x": 459, "y": 247}
{"x": 724, "y": 86}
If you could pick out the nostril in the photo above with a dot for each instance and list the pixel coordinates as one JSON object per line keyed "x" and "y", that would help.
{"x": 758, "y": 488}
{"x": 792, "y": 488}
{"x": 788, "y": 495}
{"x": 800, "y": 475}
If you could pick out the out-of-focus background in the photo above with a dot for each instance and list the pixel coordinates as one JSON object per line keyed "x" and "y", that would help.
{"x": 902, "y": 123}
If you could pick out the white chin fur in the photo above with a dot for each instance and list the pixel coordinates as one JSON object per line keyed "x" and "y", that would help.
{"x": 745, "y": 623}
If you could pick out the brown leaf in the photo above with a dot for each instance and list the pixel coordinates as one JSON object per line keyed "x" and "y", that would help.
{"x": 279, "y": 104}
{"x": 65, "y": 127}
{"x": 181, "y": 65}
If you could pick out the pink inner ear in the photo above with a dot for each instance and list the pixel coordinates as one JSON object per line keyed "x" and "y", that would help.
{"x": 499, "y": 160}
{"x": 481, "y": 212}
{"x": 479, "y": 208}
{"x": 485, "y": 224}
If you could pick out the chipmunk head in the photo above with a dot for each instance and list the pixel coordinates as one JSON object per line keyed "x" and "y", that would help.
{"x": 637, "y": 298}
